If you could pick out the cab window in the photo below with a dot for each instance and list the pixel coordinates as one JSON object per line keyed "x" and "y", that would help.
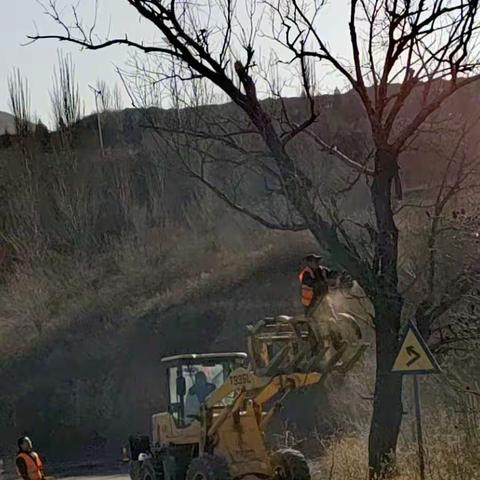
{"x": 190, "y": 385}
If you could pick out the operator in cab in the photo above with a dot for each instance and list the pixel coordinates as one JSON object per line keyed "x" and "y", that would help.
{"x": 197, "y": 394}
{"x": 29, "y": 465}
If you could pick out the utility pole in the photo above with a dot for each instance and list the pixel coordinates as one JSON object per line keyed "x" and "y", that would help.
{"x": 98, "y": 93}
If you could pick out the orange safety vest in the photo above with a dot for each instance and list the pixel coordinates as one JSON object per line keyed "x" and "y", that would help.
{"x": 34, "y": 465}
{"x": 307, "y": 292}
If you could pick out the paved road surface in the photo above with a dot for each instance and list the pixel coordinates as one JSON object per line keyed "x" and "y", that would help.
{"x": 98, "y": 477}
{"x": 76, "y": 472}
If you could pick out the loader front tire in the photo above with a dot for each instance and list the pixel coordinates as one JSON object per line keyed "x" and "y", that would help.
{"x": 208, "y": 467}
{"x": 290, "y": 464}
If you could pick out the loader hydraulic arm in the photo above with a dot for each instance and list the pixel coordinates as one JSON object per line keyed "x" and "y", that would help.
{"x": 285, "y": 355}
{"x": 260, "y": 389}
{"x": 245, "y": 390}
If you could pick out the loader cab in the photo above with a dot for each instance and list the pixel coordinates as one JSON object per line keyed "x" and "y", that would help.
{"x": 192, "y": 378}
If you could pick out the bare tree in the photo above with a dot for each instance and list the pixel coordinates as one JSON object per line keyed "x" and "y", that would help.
{"x": 117, "y": 100}
{"x": 23, "y": 163}
{"x": 105, "y": 95}
{"x": 428, "y": 49}
{"x": 407, "y": 56}
{"x": 19, "y": 94}
{"x": 446, "y": 313}
{"x": 64, "y": 96}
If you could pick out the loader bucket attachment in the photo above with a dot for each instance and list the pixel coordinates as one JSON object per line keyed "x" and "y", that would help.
{"x": 276, "y": 346}
{"x": 285, "y": 345}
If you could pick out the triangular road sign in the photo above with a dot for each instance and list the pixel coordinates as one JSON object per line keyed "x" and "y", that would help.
{"x": 414, "y": 356}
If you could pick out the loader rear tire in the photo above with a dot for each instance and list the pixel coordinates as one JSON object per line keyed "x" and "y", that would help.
{"x": 208, "y": 467}
{"x": 142, "y": 470}
{"x": 290, "y": 464}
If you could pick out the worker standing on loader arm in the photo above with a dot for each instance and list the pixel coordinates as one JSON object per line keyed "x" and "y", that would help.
{"x": 307, "y": 281}
{"x": 315, "y": 279}
{"x": 314, "y": 282}
{"x": 29, "y": 464}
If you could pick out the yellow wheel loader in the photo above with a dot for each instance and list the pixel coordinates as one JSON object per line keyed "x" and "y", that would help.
{"x": 220, "y": 405}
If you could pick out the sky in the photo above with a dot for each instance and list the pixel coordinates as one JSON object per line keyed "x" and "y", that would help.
{"x": 115, "y": 17}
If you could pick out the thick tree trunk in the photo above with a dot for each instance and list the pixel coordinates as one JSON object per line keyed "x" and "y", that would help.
{"x": 387, "y": 408}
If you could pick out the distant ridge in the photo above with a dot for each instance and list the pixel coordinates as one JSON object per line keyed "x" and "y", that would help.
{"x": 7, "y": 123}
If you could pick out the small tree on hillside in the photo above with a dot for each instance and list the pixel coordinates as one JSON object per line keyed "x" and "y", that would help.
{"x": 117, "y": 101}
{"x": 105, "y": 95}
{"x": 65, "y": 97}
{"x": 407, "y": 59}
{"x": 19, "y": 93}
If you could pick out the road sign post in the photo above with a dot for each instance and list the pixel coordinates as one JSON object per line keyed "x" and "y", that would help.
{"x": 418, "y": 419}
{"x": 415, "y": 358}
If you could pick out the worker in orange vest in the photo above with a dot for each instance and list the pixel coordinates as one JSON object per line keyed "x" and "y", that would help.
{"x": 307, "y": 280}
{"x": 29, "y": 465}
{"x": 314, "y": 281}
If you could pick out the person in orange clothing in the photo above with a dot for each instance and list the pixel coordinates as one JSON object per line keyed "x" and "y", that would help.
{"x": 29, "y": 464}
{"x": 307, "y": 280}
{"x": 314, "y": 280}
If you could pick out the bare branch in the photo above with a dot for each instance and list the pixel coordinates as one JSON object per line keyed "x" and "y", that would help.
{"x": 333, "y": 150}
{"x": 247, "y": 212}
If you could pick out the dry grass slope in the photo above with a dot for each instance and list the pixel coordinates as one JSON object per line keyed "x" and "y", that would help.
{"x": 346, "y": 460}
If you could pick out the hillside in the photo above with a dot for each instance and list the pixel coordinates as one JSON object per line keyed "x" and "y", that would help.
{"x": 103, "y": 370}
{"x": 109, "y": 262}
